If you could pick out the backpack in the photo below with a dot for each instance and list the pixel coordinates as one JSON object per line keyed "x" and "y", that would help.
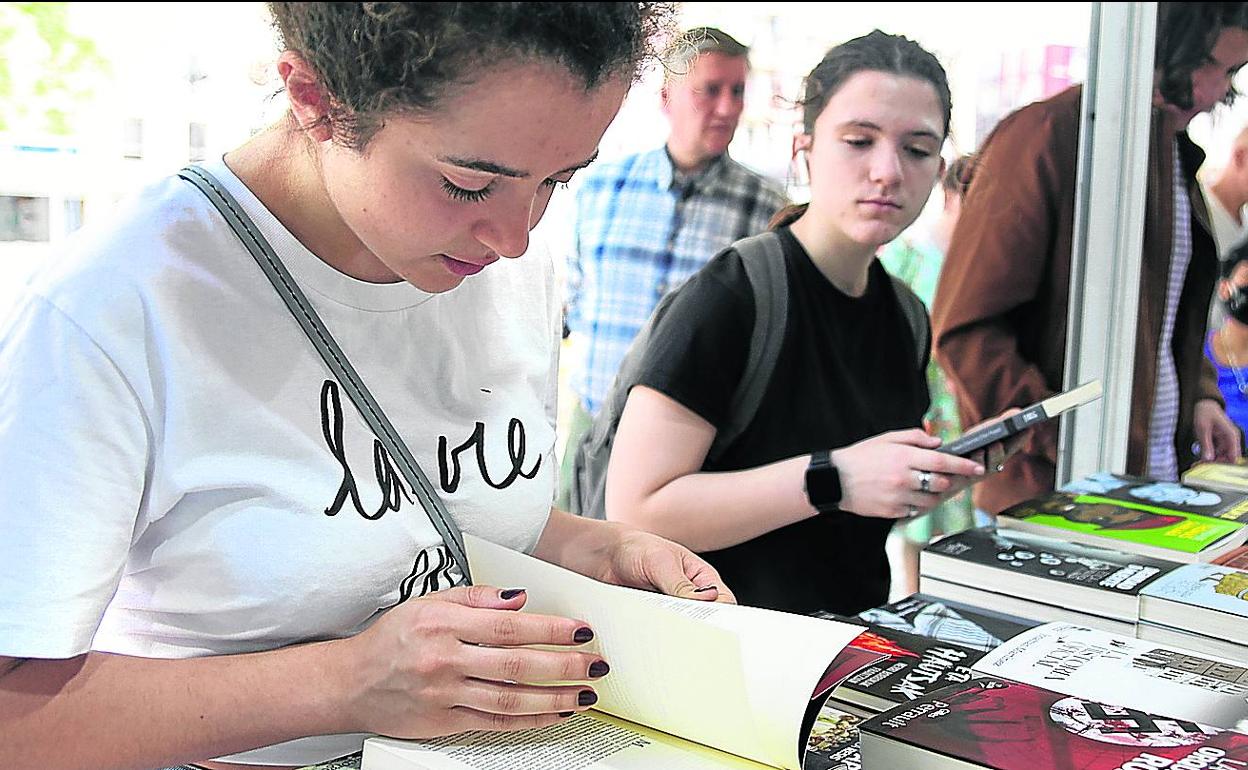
{"x": 762, "y": 256}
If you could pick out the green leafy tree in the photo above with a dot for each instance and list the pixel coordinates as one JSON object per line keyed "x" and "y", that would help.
{"x": 46, "y": 71}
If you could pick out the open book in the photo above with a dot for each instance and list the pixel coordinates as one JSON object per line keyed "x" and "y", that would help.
{"x": 1035, "y": 414}
{"x": 692, "y": 684}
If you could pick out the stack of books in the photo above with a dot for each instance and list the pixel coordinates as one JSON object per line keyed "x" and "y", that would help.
{"x": 1066, "y": 696}
{"x": 1163, "y": 520}
{"x": 1007, "y": 725}
{"x": 1040, "y": 578}
{"x": 1202, "y": 607}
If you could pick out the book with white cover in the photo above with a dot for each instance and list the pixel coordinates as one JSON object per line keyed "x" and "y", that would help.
{"x": 1188, "y": 640}
{"x": 692, "y": 685}
{"x": 1110, "y": 668}
{"x": 1205, "y": 598}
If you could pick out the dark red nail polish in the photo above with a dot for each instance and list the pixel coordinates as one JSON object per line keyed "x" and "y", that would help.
{"x": 510, "y": 593}
{"x": 566, "y": 714}
{"x": 587, "y": 698}
{"x": 598, "y": 668}
{"x": 582, "y": 635}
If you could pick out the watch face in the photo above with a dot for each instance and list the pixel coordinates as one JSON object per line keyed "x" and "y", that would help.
{"x": 823, "y": 482}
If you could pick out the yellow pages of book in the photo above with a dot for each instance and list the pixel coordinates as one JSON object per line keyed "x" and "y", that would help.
{"x": 736, "y": 679}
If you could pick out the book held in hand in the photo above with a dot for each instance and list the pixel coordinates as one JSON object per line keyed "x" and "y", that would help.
{"x": 998, "y": 723}
{"x": 1035, "y": 414}
{"x": 692, "y": 684}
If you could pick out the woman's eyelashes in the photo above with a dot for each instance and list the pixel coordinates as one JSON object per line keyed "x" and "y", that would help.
{"x": 455, "y": 192}
{"x": 463, "y": 194}
{"x": 864, "y": 143}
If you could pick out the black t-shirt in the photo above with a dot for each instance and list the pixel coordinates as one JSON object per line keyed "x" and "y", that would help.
{"x": 847, "y": 370}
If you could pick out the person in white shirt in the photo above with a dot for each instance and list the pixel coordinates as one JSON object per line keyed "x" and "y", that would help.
{"x": 1227, "y": 194}
{"x": 206, "y": 552}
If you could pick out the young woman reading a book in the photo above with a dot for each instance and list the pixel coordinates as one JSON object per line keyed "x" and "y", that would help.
{"x": 789, "y": 526}
{"x": 207, "y": 550}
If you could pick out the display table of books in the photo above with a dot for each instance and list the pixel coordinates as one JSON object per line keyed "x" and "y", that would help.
{"x": 1102, "y": 627}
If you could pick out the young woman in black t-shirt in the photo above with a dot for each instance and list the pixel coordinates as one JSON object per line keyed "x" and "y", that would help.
{"x": 787, "y": 525}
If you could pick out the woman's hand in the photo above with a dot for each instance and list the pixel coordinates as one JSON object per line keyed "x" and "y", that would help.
{"x": 459, "y": 660}
{"x": 619, "y": 554}
{"x": 899, "y": 474}
{"x": 642, "y": 560}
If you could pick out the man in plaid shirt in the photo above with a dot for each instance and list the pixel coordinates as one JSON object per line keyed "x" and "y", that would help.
{"x": 647, "y": 222}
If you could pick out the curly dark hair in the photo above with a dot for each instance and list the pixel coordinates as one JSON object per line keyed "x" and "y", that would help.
{"x": 379, "y": 59}
{"x": 1186, "y": 35}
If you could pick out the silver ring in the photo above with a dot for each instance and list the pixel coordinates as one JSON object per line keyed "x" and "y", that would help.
{"x": 925, "y": 481}
{"x": 1000, "y": 467}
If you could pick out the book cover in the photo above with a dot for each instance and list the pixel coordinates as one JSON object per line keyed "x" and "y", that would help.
{"x": 912, "y": 667}
{"x": 1105, "y": 667}
{"x": 1138, "y": 526}
{"x": 1095, "y": 580}
{"x": 1009, "y": 725}
{"x": 1232, "y": 477}
{"x": 833, "y": 742}
{"x": 948, "y": 621}
{"x": 1237, "y": 558}
{"x": 1169, "y": 497}
{"x": 1206, "y": 598}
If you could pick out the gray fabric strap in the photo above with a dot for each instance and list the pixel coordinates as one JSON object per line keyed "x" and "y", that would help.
{"x": 333, "y": 356}
{"x": 762, "y": 256}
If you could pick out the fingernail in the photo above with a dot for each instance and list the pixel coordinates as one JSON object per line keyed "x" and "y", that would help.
{"x": 587, "y": 698}
{"x": 979, "y": 470}
{"x": 566, "y": 714}
{"x": 510, "y": 593}
{"x": 582, "y": 635}
{"x": 598, "y": 668}
{"x": 703, "y": 588}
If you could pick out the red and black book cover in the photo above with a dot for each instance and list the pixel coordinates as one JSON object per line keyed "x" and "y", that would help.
{"x": 1011, "y": 726}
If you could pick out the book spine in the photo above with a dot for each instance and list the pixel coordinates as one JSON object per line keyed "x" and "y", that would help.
{"x": 991, "y": 434}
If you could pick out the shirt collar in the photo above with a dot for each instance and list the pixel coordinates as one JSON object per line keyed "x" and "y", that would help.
{"x": 669, "y": 178}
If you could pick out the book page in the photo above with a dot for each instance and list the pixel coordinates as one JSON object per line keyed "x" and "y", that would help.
{"x": 735, "y": 678}
{"x": 587, "y": 741}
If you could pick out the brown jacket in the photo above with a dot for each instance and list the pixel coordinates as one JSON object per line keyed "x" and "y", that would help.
{"x": 999, "y": 316}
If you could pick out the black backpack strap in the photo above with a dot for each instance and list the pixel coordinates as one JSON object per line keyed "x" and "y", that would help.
{"x": 762, "y": 256}
{"x": 916, "y": 315}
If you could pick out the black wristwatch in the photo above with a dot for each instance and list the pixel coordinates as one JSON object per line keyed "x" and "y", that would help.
{"x": 823, "y": 482}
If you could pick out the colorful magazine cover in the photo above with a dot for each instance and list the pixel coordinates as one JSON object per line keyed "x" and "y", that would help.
{"x": 911, "y": 667}
{"x": 1112, "y": 520}
{"x": 1013, "y": 726}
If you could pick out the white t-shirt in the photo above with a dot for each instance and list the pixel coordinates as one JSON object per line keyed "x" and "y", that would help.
{"x": 180, "y": 476}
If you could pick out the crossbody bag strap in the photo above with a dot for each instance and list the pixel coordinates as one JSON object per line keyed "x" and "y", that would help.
{"x": 334, "y": 358}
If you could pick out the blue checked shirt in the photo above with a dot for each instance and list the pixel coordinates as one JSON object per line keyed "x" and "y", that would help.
{"x": 642, "y": 229}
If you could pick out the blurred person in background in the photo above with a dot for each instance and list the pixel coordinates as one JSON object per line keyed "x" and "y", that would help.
{"x": 1001, "y": 306}
{"x": 646, "y": 222}
{"x": 916, "y": 258}
{"x": 1227, "y": 343}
